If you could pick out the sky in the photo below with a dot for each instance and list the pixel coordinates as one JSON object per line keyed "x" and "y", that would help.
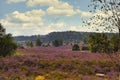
{"x": 33, "y": 17}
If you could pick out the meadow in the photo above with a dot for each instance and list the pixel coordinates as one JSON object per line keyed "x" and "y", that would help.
{"x": 56, "y": 63}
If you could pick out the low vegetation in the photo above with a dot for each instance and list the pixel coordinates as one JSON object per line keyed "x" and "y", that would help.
{"x": 57, "y": 42}
{"x": 101, "y": 43}
{"x": 38, "y": 42}
{"x": 56, "y": 63}
{"x": 76, "y": 47}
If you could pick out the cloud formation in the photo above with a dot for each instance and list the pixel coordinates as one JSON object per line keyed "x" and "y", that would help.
{"x": 34, "y": 16}
{"x": 84, "y": 13}
{"x": 54, "y": 7}
{"x": 60, "y": 11}
{"x": 27, "y": 23}
{"x": 15, "y": 1}
{"x": 40, "y": 21}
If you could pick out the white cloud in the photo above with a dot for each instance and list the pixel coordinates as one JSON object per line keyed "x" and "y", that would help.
{"x": 84, "y": 13}
{"x": 74, "y": 28}
{"x": 57, "y": 26}
{"x": 31, "y": 22}
{"x": 15, "y": 1}
{"x": 53, "y": 27}
{"x": 26, "y": 23}
{"x": 34, "y": 29}
{"x": 33, "y": 3}
{"x": 33, "y": 16}
{"x": 55, "y": 7}
{"x": 54, "y": 3}
{"x": 58, "y": 11}
{"x": 22, "y": 28}
{"x": 30, "y": 28}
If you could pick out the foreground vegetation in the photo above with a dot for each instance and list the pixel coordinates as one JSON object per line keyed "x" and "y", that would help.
{"x": 7, "y": 45}
{"x": 56, "y": 63}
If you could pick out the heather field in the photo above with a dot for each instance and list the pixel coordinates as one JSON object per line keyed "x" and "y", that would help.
{"x": 56, "y": 63}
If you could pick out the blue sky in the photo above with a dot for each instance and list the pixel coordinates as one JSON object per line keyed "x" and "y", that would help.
{"x": 31, "y": 17}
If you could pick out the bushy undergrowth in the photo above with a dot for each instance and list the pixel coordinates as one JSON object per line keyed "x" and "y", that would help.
{"x": 7, "y": 45}
{"x": 75, "y": 47}
{"x": 53, "y": 63}
{"x": 85, "y": 48}
{"x": 61, "y": 69}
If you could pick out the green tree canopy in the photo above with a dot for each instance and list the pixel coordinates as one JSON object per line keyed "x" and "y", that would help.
{"x": 115, "y": 42}
{"x": 99, "y": 43}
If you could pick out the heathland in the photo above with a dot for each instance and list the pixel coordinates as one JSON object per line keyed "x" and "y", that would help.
{"x": 56, "y": 63}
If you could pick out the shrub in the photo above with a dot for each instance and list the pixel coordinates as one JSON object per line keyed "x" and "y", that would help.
{"x": 38, "y": 42}
{"x": 57, "y": 42}
{"x": 115, "y": 43}
{"x": 29, "y": 43}
{"x": 85, "y": 48}
{"x": 7, "y": 45}
{"x": 46, "y": 45}
{"x": 75, "y": 47}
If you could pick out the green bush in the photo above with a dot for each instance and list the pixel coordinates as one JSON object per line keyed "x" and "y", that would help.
{"x": 38, "y": 42}
{"x": 85, "y": 48}
{"x": 7, "y": 45}
{"x": 75, "y": 47}
{"x": 29, "y": 43}
{"x": 57, "y": 42}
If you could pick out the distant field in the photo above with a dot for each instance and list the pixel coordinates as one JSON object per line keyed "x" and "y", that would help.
{"x": 56, "y": 63}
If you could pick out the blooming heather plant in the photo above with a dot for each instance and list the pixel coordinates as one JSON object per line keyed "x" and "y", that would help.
{"x": 54, "y": 63}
